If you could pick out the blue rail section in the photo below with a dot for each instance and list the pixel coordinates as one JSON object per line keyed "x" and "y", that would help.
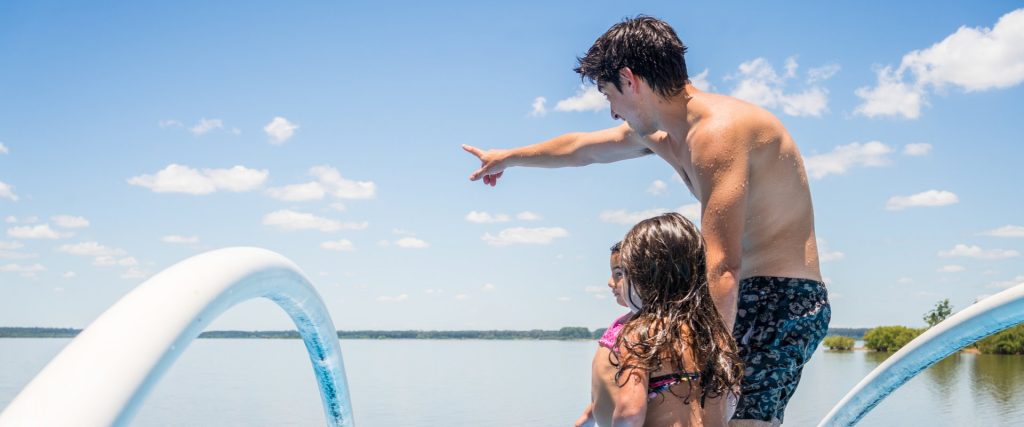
{"x": 986, "y": 317}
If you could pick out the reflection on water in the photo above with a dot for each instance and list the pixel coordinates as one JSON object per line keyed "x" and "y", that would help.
{"x": 999, "y": 377}
{"x": 489, "y": 383}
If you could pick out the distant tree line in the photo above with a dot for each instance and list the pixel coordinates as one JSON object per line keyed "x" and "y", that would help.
{"x": 892, "y": 338}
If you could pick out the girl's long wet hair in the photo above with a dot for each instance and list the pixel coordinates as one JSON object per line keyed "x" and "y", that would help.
{"x": 664, "y": 262}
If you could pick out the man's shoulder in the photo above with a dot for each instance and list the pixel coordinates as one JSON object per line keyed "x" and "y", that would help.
{"x": 739, "y": 123}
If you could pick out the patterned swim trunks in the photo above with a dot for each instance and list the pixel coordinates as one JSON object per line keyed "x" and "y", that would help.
{"x": 779, "y": 323}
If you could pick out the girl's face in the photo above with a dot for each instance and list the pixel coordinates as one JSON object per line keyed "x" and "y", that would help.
{"x": 618, "y": 280}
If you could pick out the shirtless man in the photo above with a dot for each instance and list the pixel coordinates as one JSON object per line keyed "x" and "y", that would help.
{"x": 756, "y": 213}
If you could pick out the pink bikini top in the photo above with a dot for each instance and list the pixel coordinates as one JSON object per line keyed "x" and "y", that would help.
{"x": 612, "y": 333}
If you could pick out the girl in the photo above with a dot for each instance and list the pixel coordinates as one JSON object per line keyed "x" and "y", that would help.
{"x": 672, "y": 352}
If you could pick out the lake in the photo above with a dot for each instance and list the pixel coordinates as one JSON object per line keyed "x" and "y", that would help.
{"x": 429, "y": 383}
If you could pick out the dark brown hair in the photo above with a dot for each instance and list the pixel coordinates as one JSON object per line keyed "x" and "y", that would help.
{"x": 648, "y": 46}
{"x": 665, "y": 263}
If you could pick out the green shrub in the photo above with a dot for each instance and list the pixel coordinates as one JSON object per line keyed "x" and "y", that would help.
{"x": 838, "y": 343}
{"x": 1009, "y": 341}
{"x": 890, "y": 338}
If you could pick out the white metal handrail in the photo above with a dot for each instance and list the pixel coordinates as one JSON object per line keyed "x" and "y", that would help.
{"x": 103, "y": 375}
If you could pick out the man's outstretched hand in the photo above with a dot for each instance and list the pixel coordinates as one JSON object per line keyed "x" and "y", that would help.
{"x": 491, "y": 165}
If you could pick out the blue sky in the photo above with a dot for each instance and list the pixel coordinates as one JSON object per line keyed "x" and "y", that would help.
{"x": 134, "y": 136}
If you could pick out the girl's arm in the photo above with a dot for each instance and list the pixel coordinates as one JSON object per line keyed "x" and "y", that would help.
{"x": 631, "y": 400}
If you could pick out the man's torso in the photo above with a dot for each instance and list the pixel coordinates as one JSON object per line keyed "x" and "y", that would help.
{"x": 778, "y": 237}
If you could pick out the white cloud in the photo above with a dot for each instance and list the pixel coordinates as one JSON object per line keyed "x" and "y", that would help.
{"x": 918, "y": 149}
{"x": 237, "y": 179}
{"x": 5, "y": 254}
{"x": 845, "y": 157}
{"x": 11, "y": 219}
{"x": 180, "y": 240}
{"x": 761, "y": 85}
{"x": 280, "y": 130}
{"x": 69, "y": 221}
{"x": 972, "y": 59}
{"x": 24, "y": 270}
{"x": 290, "y": 220}
{"x": 7, "y": 192}
{"x": 135, "y": 273}
{"x": 103, "y": 256}
{"x": 623, "y": 216}
{"x": 108, "y": 261}
{"x": 10, "y": 244}
{"x": 92, "y": 249}
{"x": 563, "y": 299}
{"x": 822, "y": 73}
{"x": 205, "y": 125}
{"x": 434, "y": 291}
{"x": 488, "y": 287}
{"x": 462, "y": 297}
{"x": 329, "y": 181}
{"x": 587, "y": 98}
{"x": 343, "y": 188}
{"x": 930, "y": 198}
{"x": 411, "y": 243}
{"x": 952, "y": 268}
{"x": 538, "y": 107}
{"x": 1005, "y": 284}
{"x": 691, "y": 212}
{"x": 69, "y": 275}
{"x": 486, "y": 218}
{"x": 891, "y": 97}
{"x": 170, "y": 123}
{"x": 338, "y": 245}
{"x": 966, "y": 251}
{"x": 657, "y": 187}
{"x": 3, "y": 148}
{"x": 528, "y": 216}
{"x": 826, "y": 255}
{"x": 338, "y": 207}
{"x": 1006, "y": 231}
{"x": 177, "y": 178}
{"x": 298, "y": 192}
{"x": 700, "y": 81}
{"x": 905, "y": 280}
{"x": 522, "y": 235}
{"x": 35, "y": 232}
{"x": 398, "y": 298}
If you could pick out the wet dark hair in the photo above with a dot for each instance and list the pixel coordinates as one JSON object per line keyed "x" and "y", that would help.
{"x": 617, "y": 247}
{"x": 648, "y": 46}
{"x": 664, "y": 261}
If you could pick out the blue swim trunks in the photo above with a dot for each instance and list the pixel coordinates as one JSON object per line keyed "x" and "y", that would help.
{"x": 779, "y": 323}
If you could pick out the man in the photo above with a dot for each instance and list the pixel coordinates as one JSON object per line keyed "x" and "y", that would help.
{"x": 756, "y": 213}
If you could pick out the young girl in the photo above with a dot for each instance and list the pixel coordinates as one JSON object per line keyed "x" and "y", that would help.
{"x": 657, "y": 365}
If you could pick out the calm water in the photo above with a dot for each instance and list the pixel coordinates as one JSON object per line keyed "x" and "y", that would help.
{"x": 498, "y": 383}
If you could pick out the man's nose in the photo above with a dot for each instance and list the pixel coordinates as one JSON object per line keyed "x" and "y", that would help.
{"x": 615, "y": 116}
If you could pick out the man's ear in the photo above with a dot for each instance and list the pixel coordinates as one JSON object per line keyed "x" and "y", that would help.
{"x": 630, "y": 81}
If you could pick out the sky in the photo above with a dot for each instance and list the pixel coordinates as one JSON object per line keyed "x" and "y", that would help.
{"x": 133, "y": 136}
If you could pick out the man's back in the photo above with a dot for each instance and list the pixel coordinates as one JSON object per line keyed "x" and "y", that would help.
{"x": 778, "y": 231}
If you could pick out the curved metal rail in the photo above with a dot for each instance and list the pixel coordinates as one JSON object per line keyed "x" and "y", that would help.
{"x": 984, "y": 318}
{"x": 103, "y": 375}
